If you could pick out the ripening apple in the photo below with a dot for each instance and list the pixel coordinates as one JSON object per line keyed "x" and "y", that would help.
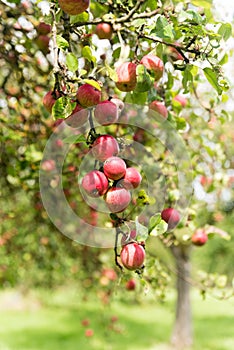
{"x": 48, "y": 165}
{"x": 43, "y": 28}
{"x": 171, "y": 216}
{"x": 49, "y": 99}
{"x": 106, "y": 112}
{"x": 78, "y": 117}
{"x": 199, "y": 237}
{"x": 114, "y": 168}
{"x": 130, "y": 284}
{"x": 154, "y": 64}
{"x": 42, "y": 42}
{"x": 119, "y": 104}
{"x": 181, "y": 100}
{"x": 104, "y": 31}
{"x": 73, "y": 7}
{"x": 95, "y": 183}
{"x": 105, "y": 146}
{"x": 131, "y": 179}
{"x": 128, "y": 238}
{"x": 117, "y": 199}
{"x": 132, "y": 256}
{"x": 159, "y": 107}
{"x": 88, "y": 95}
{"x": 127, "y": 79}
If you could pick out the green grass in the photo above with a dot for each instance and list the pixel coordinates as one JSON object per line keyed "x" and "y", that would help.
{"x": 56, "y": 324}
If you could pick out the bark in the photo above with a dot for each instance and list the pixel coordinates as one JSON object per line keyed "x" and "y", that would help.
{"x": 182, "y": 336}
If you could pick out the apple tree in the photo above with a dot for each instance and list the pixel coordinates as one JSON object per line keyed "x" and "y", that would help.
{"x": 125, "y": 97}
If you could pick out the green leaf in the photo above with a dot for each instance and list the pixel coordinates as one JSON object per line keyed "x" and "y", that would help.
{"x": 202, "y": 3}
{"x": 72, "y": 62}
{"x": 212, "y": 78}
{"x": 136, "y": 97}
{"x": 61, "y": 42}
{"x": 83, "y": 17}
{"x": 75, "y": 139}
{"x": 163, "y": 29}
{"x": 224, "y": 59}
{"x": 144, "y": 81}
{"x": 87, "y": 53}
{"x": 62, "y": 108}
{"x": 141, "y": 230}
{"x": 92, "y": 82}
{"x": 225, "y": 31}
{"x": 187, "y": 78}
{"x": 154, "y": 221}
{"x": 180, "y": 123}
{"x": 159, "y": 229}
{"x": 111, "y": 73}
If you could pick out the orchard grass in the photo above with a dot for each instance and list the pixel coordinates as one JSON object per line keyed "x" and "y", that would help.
{"x": 55, "y": 322}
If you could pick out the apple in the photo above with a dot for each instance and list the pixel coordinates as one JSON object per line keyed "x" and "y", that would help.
{"x": 114, "y": 168}
{"x": 117, "y": 199}
{"x": 42, "y": 42}
{"x": 171, "y": 216}
{"x": 181, "y": 100}
{"x": 131, "y": 179}
{"x": 49, "y": 99}
{"x": 43, "y": 28}
{"x": 95, "y": 183}
{"x": 48, "y": 165}
{"x": 154, "y": 64}
{"x": 106, "y": 112}
{"x": 88, "y": 95}
{"x": 132, "y": 256}
{"x": 127, "y": 238}
{"x": 85, "y": 322}
{"x": 73, "y": 7}
{"x": 89, "y": 333}
{"x": 105, "y": 146}
{"x": 174, "y": 54}
{"x": 78, "y": 117}
{"x": 104, "y": 31}
{"x": 110, "y": 274}
{"x": 131, "y": 284}
{"x": 200, "y": 237}
{"x": 119, "y": 104}
{"x": 127, "y": 79}
{"x": 159, "y": 107}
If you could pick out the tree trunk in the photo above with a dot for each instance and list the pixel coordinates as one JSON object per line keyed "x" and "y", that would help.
{"x": 182, "y": 337}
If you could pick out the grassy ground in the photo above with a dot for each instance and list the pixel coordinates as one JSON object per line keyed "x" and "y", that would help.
{"x": 56, "y": 323}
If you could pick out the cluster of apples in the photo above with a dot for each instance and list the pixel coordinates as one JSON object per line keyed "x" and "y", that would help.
{"x": 114, "y": 180}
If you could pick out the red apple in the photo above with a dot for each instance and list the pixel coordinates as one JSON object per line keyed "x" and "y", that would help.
{"x": 89, "y": 333}
{"x": 174, "y": 54}
{"x": 131, "y": 179}
{"x": 106, "y": 112}
{"x": 95, "y": 183}
{"x": 78, "y": 117}
{"x": 132, "y": 256}
{"x": 131, "y": 284}
{"x": 88, "y": 95}
{"x": 117, "y": 199}
{"x": 153, "y": 63}
{"x": 159, "y": 107}
{"x": 74, "y": 7}
{"x": 43, "y": 28}
{"x": 119, "y": 104}
{"x": 199, "y": 238}
{"x": 126, "y": 73}
{"x": 171, "y": 216}
{"x": 49, "y": 99}
{"x": 104, "y": 31}
{"x": 105, "y": 146}
{"x": 110, "y": 274}
{"x": 85, "y": 322}
{"x": 127, "y": 239}
{"x": 48, "y": 165}
{"x": 42, "y": 42}
{"x": 181, "y": 100}
{"x": 114, "y": 168}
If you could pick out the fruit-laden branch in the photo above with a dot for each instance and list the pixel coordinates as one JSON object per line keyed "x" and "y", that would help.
{"x": 180, "y": 49}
